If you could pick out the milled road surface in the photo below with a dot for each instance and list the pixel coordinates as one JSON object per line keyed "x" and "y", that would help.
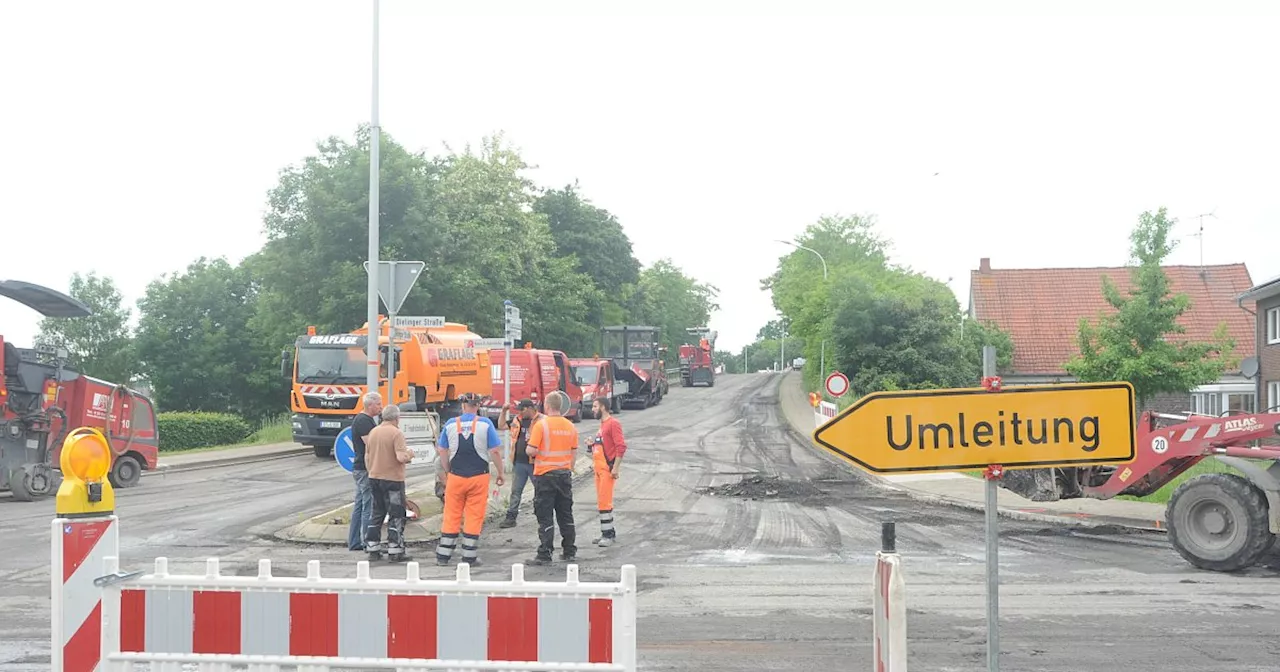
{"x": 754, "y": 552}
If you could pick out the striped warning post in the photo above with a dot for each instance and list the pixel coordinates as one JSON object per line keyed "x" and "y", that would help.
{"x": 366, "y": 618}
{"x": 889, "y": 614}
{"x": 80, "y": 547}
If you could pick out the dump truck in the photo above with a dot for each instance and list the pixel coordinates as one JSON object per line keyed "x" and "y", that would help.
{"x": 637, "y": 361}
{"x": 41, "y": 399}
{"x": 696, "y": 367}
{"x": 434, "y": 366}
{"x": 1216, "y": 521}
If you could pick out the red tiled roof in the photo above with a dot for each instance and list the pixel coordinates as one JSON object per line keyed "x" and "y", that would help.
{"x": 1040, "y": 308}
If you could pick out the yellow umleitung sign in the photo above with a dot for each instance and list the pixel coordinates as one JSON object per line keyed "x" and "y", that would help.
{"x": 952, "y": 430}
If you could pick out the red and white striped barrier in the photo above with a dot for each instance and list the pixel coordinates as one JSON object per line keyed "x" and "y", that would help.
{"x": 889, "y": 614}
{"x": 823, "y": 413}
{"x": 325, "y": 623}
{"x": 80, "y": 547}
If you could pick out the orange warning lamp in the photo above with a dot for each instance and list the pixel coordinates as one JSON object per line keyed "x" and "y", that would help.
{"x": 311, "y": 330}
{"x": 814, "y": 399}
{"x": 528, "y": 345}
{"x": 85, "y": 462}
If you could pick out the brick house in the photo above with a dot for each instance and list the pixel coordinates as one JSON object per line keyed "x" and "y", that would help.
{"x": 1040, "y": 309}
{"x": 1266, "y": 298}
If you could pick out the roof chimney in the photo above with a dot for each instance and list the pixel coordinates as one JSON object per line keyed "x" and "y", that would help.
{"x": 984, "y": 265}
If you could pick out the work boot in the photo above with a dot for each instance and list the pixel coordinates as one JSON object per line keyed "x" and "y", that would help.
{"x": 442, "y": 562}
{"x": 604, "y": 542}
{"x": 399, "y": 557}
{"x": 509, "y": 522}
{"x": 568, "y": 558}
{"x": 474, "y": 562}
{"x": 540, "y": 561}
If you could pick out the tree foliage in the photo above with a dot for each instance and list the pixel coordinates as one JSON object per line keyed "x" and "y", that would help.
{"x": 99, "y": 345}
{"x": 1141, "y": 341}
{"x": 211, "y": 336}
{"x": 885, "y": 326}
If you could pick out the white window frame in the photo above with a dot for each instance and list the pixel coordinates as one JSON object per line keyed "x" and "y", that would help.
{"x": 1273, "y": 326}
{"x": 1273, "y": 396}
{"x": 1213, "y": 399}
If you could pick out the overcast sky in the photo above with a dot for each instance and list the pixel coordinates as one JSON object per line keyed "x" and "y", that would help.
{"x": 139, "y": 136}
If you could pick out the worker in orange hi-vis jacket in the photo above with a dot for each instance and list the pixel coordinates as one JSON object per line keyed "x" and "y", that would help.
{"x": 468, "y": 445}
{"x": 607, "y": 449}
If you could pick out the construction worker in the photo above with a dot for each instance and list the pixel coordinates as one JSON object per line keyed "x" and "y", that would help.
{"x": 607, "y": 449}
{"x": 468, "y": 445}
{"x": 386, "y": 453}
{"x": 521, "y": 464}
{"x": 552, "y": 444}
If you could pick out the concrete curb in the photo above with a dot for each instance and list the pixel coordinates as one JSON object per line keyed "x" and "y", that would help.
{"x": 1087, "y": 521}
{"x": 316, "y": 530}
{"x": 225, "y": 461}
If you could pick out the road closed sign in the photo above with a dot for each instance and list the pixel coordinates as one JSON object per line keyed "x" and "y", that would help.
{"x": 959, "y": 429}
{"x": 837, "y": 384}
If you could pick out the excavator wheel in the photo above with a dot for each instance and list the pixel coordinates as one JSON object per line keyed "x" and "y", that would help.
{"x": 1219, "y": 522}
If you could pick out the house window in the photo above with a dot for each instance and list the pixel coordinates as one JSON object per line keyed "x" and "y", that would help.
{"x": 1216, "y": 401}
{"x": 1273, "y": 396}
{"x": 1273, "y": 326}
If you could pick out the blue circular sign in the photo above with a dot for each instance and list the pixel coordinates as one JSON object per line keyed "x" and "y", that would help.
{"x": 344, "y": 450}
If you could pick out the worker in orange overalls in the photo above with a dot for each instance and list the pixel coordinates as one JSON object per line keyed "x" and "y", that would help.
{"x": 607, "y": 449}
{"x": 468, "y": 445}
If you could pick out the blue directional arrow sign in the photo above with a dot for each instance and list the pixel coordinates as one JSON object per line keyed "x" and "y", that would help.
{"x": 344, "y": 450}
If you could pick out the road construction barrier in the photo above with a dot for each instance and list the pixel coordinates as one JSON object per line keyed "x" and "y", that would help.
{"x": 366, "y": 623}
{"x": 823, "y": 413}
{"x": 889, "y": 607}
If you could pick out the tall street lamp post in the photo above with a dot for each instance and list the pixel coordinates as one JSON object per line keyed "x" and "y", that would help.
{"x": 822, "y": 360}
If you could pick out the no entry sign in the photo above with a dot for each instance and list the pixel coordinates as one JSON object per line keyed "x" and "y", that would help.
{"x": 837, "y": 384}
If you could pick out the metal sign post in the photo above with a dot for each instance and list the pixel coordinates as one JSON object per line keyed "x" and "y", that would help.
{"x": 395, "y": 279}
{"x": 992, "y": 477}
{"x": 375, "y": 141}
{"x": 512, "y": 331}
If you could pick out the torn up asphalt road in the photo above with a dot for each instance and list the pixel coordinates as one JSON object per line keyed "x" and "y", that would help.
{"x": 754, "y": 552}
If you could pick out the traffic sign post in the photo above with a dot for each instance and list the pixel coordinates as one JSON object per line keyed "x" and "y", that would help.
{"x": 395, "y": 279}
{"x": 512, "y": 331}
{"x": 990, "y": 428}
{"x": 344, "y": 450}
{"x": 837, "y": 384}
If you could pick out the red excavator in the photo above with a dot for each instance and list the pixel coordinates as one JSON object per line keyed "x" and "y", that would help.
{"x": 1217, "y": 521}
{"x": 696, "y": 367}
{"x": 41, "y": 400}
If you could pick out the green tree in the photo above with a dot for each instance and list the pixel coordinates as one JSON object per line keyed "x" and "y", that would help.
{"x": 592, "y": 236}
{"x": 99, "y": 345}
{"x": 1141, "y": 341}
{"x": 197, "y": 347}
{"x": 672, "y": 301}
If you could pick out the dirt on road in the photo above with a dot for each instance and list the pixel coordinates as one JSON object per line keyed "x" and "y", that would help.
{"x": 754, "y": 552}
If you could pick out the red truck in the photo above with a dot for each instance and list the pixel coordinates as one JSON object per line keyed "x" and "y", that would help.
{"x": 695, "y": 360}
{"x": 534, "y": 374}
{"x": 595, "y": 376}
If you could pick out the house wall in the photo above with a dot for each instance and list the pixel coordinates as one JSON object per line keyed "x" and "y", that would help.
{"x": 1268, "y": 355}
{"x": 1169, "y": 402}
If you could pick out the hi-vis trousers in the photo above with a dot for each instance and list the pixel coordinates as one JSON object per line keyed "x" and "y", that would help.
{"x": 604, "y": 491}
{"x": 466, "y": 500}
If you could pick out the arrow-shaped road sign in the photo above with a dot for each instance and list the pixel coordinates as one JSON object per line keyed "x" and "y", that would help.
{"x": 395, "y": 279}
{"x": 954, "y": 430}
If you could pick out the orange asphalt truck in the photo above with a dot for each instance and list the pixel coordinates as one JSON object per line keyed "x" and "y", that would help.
{"x": 434, "y": 366}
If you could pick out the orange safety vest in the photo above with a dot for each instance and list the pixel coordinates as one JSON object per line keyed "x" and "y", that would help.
{"x": 551, "y": 456}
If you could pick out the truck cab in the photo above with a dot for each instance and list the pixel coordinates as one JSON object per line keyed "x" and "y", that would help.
{"x": 595, "y": 376}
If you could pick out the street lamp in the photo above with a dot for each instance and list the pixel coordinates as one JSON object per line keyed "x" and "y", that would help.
{"x": 822, "y": 360}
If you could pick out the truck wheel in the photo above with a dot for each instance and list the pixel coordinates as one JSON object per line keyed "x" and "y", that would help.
{"x": 322, "y": 452}
{"x": 19, "y": 485}
{"x": 125, "y": 472}
{"x": 1219, "y": 522}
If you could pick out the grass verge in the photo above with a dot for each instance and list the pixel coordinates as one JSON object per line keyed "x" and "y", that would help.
{"x": 272, "y": 430}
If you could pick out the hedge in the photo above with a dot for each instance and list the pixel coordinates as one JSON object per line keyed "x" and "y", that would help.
{"x": 183, "y": 431}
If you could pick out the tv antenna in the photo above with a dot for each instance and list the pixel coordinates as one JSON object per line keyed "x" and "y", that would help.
{"x": 1200, "y": 234}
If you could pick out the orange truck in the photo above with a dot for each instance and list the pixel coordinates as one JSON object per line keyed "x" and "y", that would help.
{"x": 433, "y": 367}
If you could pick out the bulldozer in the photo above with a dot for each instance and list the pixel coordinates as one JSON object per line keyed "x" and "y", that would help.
{"x": 1216, "y": 521}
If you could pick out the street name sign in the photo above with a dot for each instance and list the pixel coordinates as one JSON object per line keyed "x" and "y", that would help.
{"x": 488, "y": 343}
{"x": 1029, "y": 427}
{"x": 422, "y": 322}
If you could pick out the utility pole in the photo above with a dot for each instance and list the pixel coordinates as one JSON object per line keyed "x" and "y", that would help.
{"x": 822, "y": 359}
{"x": 371, "y": 374}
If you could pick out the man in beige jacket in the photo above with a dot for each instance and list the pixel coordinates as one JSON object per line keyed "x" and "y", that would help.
{"x": 386, "y": 453}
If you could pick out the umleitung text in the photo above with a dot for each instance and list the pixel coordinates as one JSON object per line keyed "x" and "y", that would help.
{"x": 1015, "y": 431}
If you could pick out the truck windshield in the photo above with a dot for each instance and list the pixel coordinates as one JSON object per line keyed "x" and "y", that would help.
{"x": 331, "y": 366}
{"x": 586, "y": 375}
